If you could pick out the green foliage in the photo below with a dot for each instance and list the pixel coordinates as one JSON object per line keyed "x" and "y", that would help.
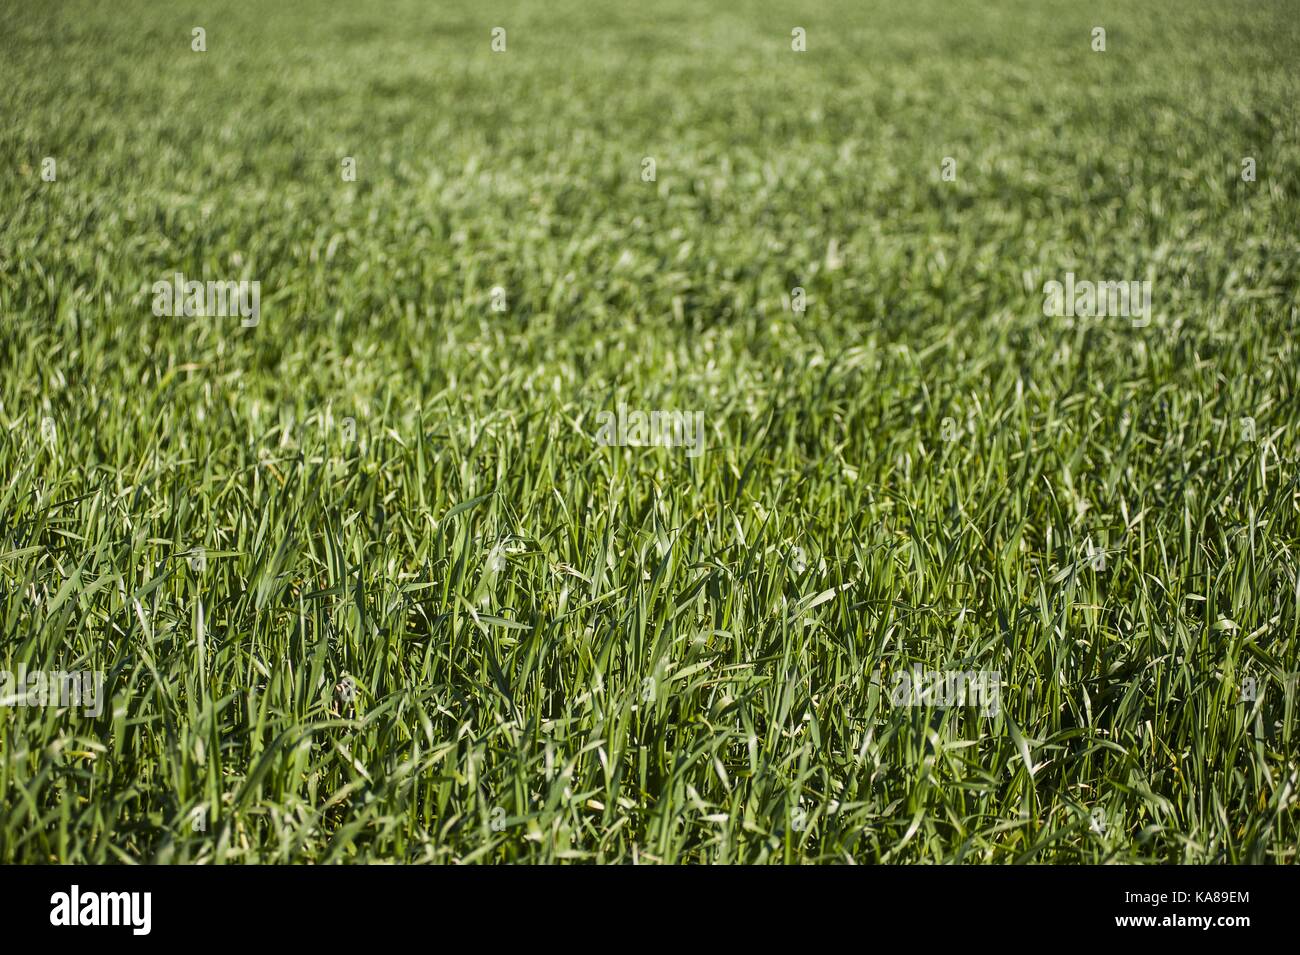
{"x": 565, "y": 651}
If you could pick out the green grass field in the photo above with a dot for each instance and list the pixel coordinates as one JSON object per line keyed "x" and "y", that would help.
{"x": 563, "y": 650}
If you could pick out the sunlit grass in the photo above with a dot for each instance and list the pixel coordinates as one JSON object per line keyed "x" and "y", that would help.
{"x": 564, "y": 651}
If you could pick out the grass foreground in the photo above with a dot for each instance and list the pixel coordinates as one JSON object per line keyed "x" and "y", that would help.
{"x": 364, "y": 586}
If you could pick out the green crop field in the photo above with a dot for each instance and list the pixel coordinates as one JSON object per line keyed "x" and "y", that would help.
{"x": 609, "y": 410}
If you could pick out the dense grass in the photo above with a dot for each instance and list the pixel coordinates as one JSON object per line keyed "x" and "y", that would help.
{"x": 569, "y": 651}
